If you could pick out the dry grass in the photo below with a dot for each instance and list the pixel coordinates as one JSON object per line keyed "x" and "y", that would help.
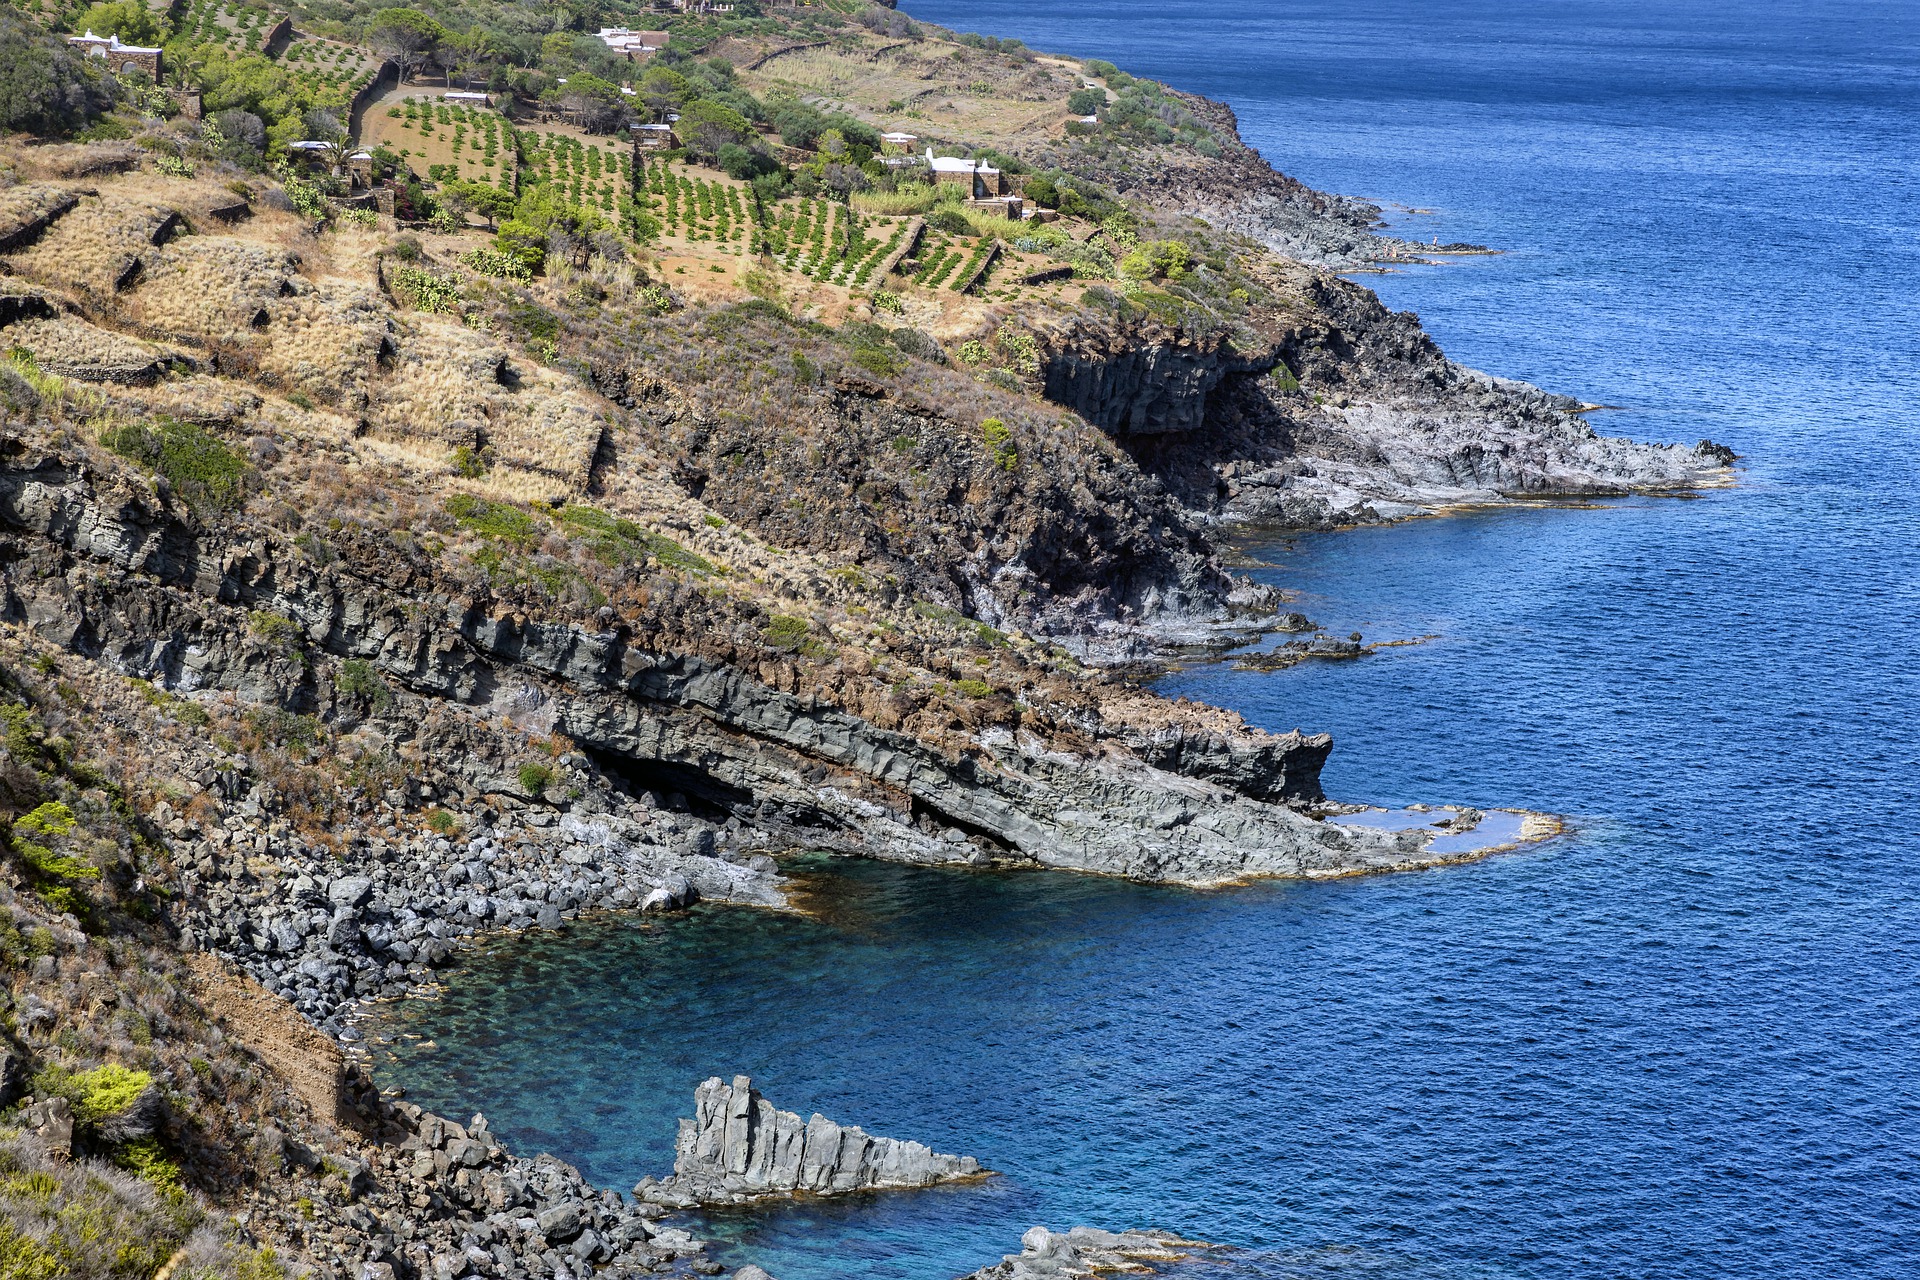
{"x": 68, "y": 347}
{"x": 24, "y": 207}
{"x": 548, "y": 428}
{"x": 452, "y": 387}
{"x": 324, "y": 342}
{"x": 99, "y": 246}
{"x": 75, "y": 160}
{"x": 205, "y": 401}
{"x": 214, "y": 289}
{"x": 909, "y": 198}
{"x": 951, "y": 91}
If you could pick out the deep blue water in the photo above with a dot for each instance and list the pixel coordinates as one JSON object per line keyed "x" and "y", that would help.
{"x": 1682, "y": 1042}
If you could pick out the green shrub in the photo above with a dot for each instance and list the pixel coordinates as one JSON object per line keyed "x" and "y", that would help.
{"x": 612, "y": 540}
{"x": 670, "y": 553}
{"x": 493, "y": 262}
{"x": 876, "y": 360}
{"x": 535, "y": 777}
{"x": 94, "y": 1095}
{"x": 308, "y": 200}
{"x": 494, "y": 521}
{"x": 198, "y": 465}
{"x": 425, "y": 290}
{"x": 974, "y": 688}
{"x": 787, "y": 632}
{"x": 146, "y": 1160}
{"x": 358, "y": 679}
{"x": 275, "y": 630}
{"x": 1086, "y": 102}
{"x": 469, "y": 462}
{"x": 443, "y": 822}
{"x": 54, "y": 876}
{"x": 999, "y": 438}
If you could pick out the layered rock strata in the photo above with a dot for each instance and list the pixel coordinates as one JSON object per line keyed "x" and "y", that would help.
{"x": 119, "y": 577}
{"x": 739, "y": 1147}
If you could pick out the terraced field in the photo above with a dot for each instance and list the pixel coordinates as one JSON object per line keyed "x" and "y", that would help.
{"x": 445, "y": 141}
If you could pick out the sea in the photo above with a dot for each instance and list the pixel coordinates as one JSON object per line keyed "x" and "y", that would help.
{"x": 1683, "y": 1040}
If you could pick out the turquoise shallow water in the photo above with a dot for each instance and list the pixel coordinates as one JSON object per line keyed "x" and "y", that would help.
{"x": 1679, "y": 1042}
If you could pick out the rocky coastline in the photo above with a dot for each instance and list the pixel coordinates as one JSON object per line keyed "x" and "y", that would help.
{"x": 454, "y": 625}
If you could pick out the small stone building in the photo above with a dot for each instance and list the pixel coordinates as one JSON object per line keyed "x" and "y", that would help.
{"x": 120, "y": 58}
{"x": 980, "y": 179}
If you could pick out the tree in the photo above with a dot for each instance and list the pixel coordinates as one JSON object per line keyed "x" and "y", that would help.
{"x": 407, "y": 37}
{"x": 663, "y": 89}
{"x": 470, "y": 51}
{"x": 130, "y": 20}
{"x": 44, "y": 86}
{"x": 482, "y": 198}
{"x": 843, "y": 180}
{"x": 594, "y": 104}
{"x": 746, "y": 163}
{"x": 1086, "y": 102}
{"x": 239, "y": 133}
{"x": 706, "y": 126}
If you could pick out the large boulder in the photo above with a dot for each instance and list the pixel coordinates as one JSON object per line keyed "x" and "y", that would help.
{"x": 739, "y": 1147}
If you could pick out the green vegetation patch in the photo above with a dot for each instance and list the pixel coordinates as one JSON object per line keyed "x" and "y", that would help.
{"x": 611, "y": 539}
{"x": 95, "y": 1095}
{"x": 196, "y": 463}
{"x": 358, "y": 679}
{"x": 495, "y": 521}
{"x": 999, "y": 438}
{"x": 57, "y": 877}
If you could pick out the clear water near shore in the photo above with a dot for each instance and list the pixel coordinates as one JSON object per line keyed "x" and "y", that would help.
{"x": 1683, "y": 1041}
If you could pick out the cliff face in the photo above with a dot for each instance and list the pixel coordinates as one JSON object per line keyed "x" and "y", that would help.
{"x": 1037, "y": 523}
{"x": 1144, "y": 379}
{"x": 1321, "y": 407}
{"x": 111, "y": 576}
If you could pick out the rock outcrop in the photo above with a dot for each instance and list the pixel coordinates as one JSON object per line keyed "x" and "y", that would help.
{"x": 1147, "y": 380}
{"x": 117, "y": 576}
{"x": 1085, "y": 1251}
{"x": 739, "y": 1147}
{"x": 1326, "y": 409}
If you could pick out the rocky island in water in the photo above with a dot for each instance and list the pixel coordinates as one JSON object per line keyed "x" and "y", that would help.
{"x": 460, "y": 472}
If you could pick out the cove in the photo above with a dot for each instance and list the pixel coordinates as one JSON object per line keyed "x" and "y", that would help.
{"x": 1679, "y": 1041}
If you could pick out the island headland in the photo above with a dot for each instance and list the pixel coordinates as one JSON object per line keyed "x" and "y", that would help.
{"x": 449, "y": 494}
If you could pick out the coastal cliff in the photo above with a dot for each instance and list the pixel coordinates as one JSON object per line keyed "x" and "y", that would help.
{"x": 372, "y": 583}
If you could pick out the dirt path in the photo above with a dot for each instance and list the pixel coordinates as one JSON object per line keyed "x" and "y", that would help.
{"x": 296, "y": 1050}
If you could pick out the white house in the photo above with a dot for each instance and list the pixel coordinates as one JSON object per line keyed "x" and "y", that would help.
{"x": 119, "y": 57}
{"x": 980, "y": 179}
{"x": 630, "y": 42}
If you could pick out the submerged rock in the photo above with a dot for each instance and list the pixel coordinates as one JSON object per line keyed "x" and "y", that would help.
{"x": 739, "y": 1147}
